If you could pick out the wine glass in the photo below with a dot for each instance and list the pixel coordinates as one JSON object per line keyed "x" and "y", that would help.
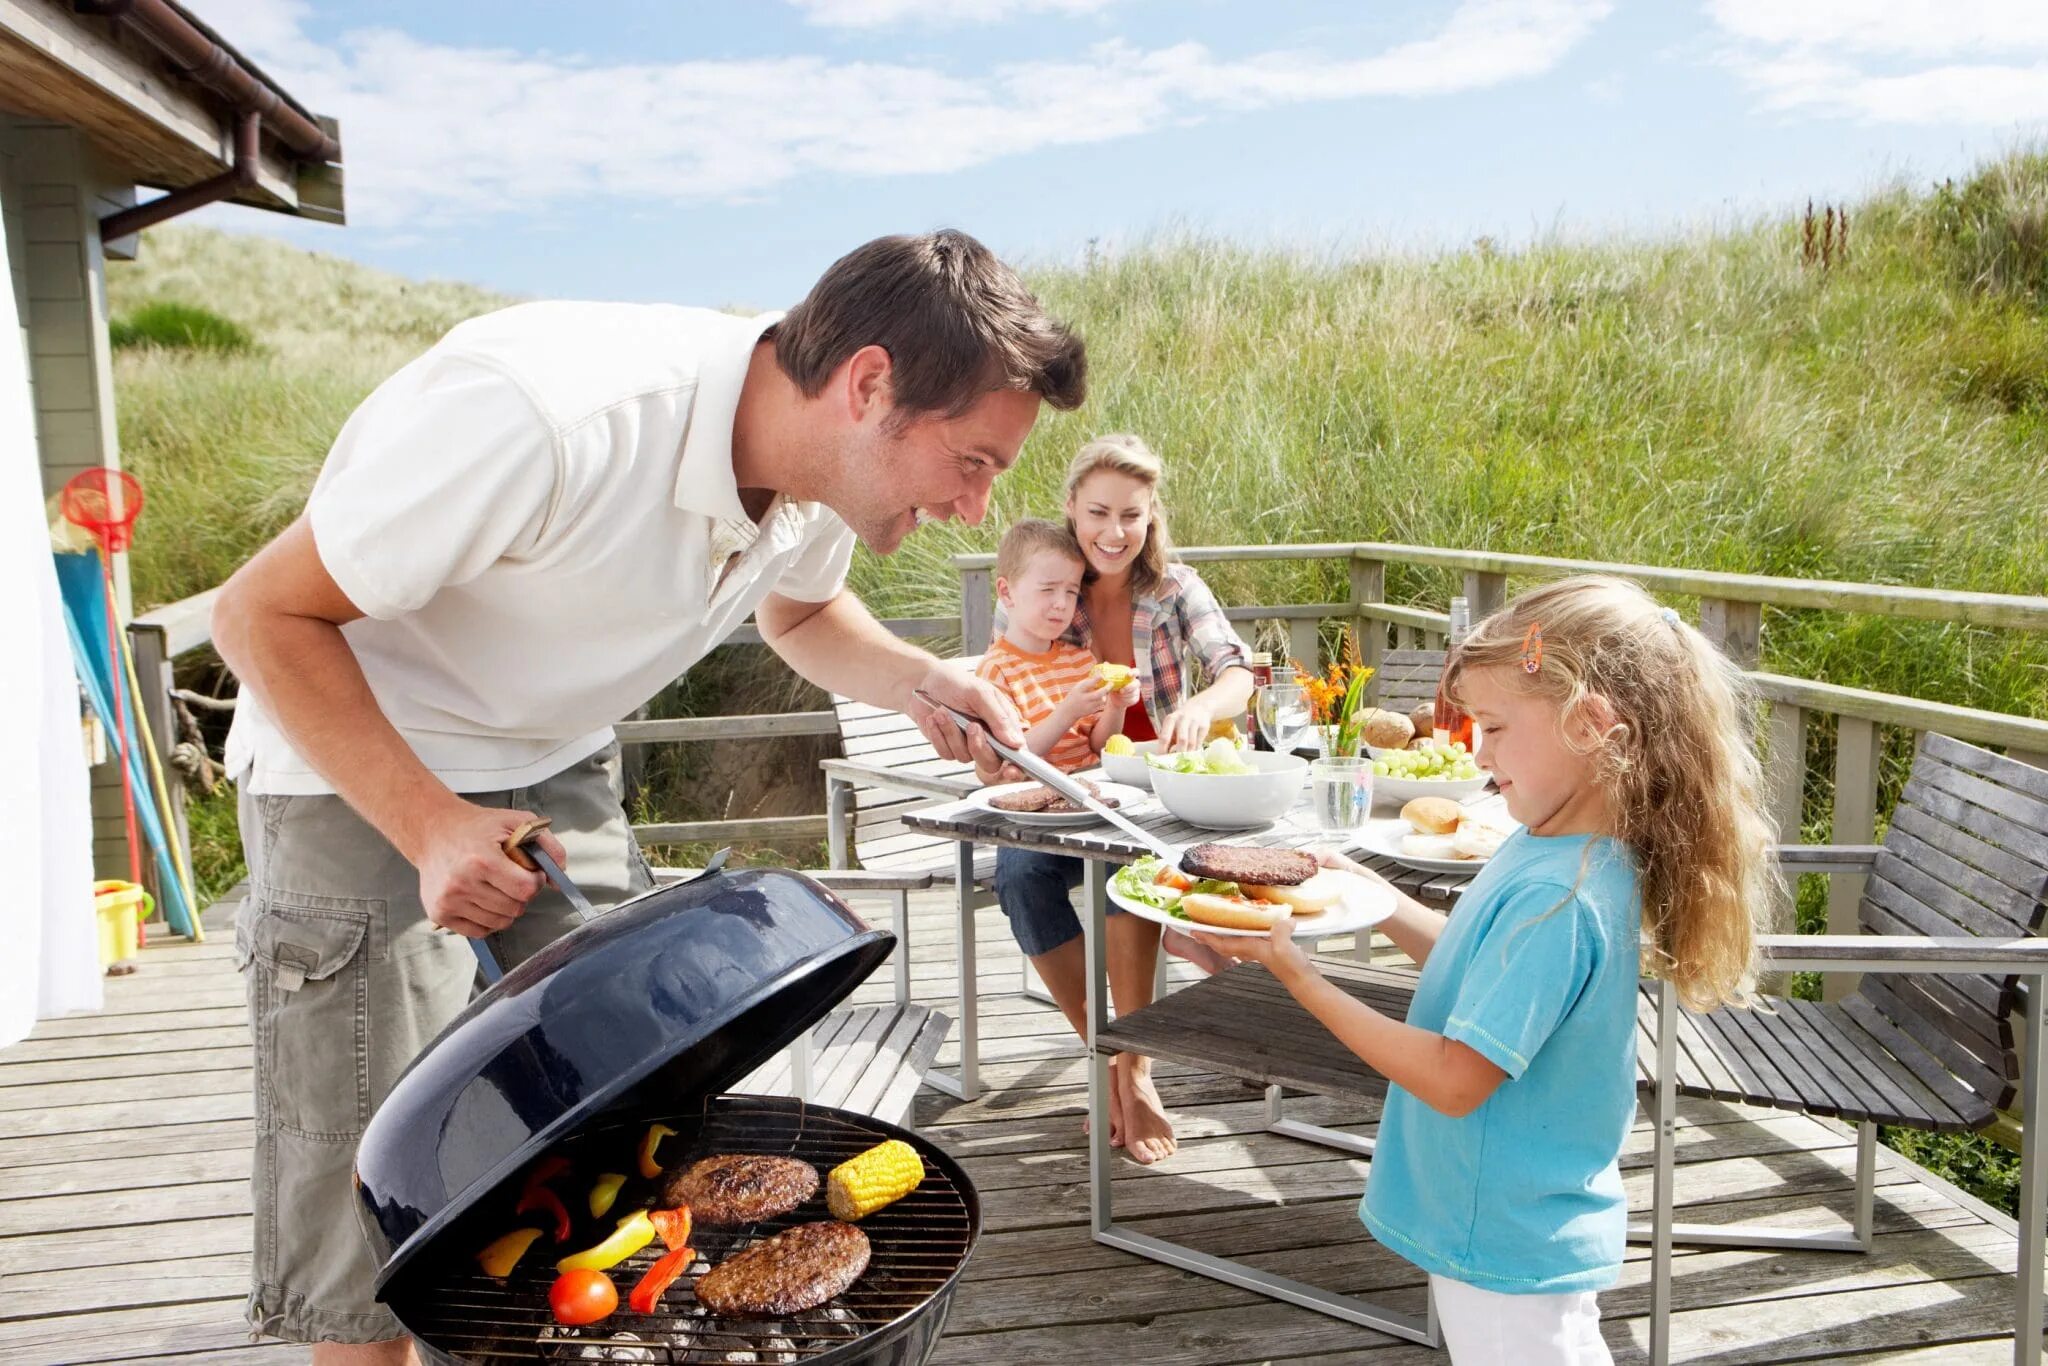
{"x": 1283, "y": 715}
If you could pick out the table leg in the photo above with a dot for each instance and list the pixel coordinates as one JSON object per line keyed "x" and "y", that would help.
{"x": 1095, "y": 898}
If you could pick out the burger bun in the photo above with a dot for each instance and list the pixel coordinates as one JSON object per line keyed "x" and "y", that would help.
{"x": 1231, "y": 913}
{"x": 1432, "y": 815}
{"x": 1312, "y": 897}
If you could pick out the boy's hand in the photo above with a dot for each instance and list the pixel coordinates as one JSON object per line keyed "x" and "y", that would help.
{"x": 1085, "y": 700}
{"x": 1276, "y": 950}
{"x": 1127, "y": 696}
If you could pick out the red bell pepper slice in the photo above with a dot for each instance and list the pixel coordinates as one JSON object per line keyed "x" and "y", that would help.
{"x": 546, "y": 1202}
{"x": 673, "y": 1225}
{"x": 656, "y": 1282}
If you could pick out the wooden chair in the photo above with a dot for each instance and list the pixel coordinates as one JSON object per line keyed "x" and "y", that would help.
{"x": 1406, "y": 678}
{"x": 1954, "y": 900}
{"x": 889, "y": 770}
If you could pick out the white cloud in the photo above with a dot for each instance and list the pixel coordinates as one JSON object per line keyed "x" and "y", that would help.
{"x": 1983, "y": 63}
{"x": 941, "y": 13}
{"x": 435, "y": 133}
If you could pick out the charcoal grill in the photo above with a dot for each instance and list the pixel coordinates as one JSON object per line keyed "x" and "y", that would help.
{"x": 644, "y": 1015}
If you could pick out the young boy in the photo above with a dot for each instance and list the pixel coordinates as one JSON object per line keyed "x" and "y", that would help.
{"x": 1069, "y": 713}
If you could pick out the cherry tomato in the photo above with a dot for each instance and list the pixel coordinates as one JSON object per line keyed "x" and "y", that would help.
{"x": 580, "y": 1297}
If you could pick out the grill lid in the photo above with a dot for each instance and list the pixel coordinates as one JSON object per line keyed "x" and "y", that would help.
{"x": 668, "y": 999}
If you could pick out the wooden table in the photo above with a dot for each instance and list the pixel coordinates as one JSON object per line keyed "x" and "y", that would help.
{"x": 1102, "y": 848}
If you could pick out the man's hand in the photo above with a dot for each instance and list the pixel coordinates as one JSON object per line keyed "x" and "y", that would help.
{"x": 468, "y": 882}
{"x": 976, "y": 697}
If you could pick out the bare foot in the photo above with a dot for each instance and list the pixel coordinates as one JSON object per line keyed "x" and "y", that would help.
{"x": 1116, "y": 1109}
{"x": 1201, "y": 955}
{"x": 1148, "y": 1133}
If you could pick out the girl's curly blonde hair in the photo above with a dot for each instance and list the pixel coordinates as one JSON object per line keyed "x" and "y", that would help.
{"x": 1681, "y": 776}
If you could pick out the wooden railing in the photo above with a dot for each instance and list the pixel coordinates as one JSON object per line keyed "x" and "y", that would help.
{"x": 1730, "y": 611}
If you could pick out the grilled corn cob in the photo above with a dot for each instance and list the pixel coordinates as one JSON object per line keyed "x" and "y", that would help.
{"x": 883, "y": 1174}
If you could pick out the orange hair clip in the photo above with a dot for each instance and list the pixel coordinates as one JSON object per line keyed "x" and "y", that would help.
{"x": 1532, "y": 649}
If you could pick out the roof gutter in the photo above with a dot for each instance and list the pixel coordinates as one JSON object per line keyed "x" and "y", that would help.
{"x": 257, "y": 102}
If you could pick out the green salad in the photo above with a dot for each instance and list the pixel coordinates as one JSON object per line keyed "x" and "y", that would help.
{"x": 1139, "y": 882}
{"x": 1219, "y": 757}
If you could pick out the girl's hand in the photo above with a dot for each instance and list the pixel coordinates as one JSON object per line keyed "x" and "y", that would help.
{"x": 1185, "y": 727}
{"x": 1330, "y": 858}
{"x": 1276, "y": 950}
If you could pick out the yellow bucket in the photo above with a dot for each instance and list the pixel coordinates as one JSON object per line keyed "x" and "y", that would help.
{"x": 122, "y": 906}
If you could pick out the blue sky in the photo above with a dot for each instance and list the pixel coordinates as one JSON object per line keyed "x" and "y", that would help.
{"x": 725, "y": 151}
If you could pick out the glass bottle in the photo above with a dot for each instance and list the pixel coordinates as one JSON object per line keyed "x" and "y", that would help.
{"x": 1452, "y": 725}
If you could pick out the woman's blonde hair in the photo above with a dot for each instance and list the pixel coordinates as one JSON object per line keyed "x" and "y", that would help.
{"x": 1681, "y": 777}
{"x": 1127, "y": 455}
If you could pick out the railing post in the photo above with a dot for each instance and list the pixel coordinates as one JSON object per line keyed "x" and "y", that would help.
{"x": 1485, "y": 593}
{"x": 1369, "y": 584}
{"x": 977, "y": 610}
{"x": 1305, "y": 643}
{"x": 1735, "y": 627}
{"x": 1784, "y": 789}
{"x": 1856, "y": 760}
{"x": 150, "y": 647}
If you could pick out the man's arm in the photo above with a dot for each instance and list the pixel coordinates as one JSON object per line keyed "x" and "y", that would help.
{"x": 839, "y": 646}
{"x": 277, "y": 624}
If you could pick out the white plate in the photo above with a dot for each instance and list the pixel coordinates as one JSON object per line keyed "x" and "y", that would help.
{"x": 1365, "y": 903}
{"x": 1126, "y": 798}
{"x": 1383, "y": 839}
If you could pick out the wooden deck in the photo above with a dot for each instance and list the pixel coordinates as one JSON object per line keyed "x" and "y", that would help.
{"x": 125, "y": 1231}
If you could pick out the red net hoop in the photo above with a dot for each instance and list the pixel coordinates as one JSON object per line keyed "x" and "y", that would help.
{"x": 106, "y": 503}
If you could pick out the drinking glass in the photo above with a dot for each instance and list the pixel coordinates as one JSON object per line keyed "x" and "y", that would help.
{"x": 1340, "y": 794}
{"x": 1283, "y": 715}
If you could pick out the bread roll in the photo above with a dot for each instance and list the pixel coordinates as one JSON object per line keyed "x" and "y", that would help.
{"x": 1313, "y": 897}
{"x": 1477, "y": 840}
{"x": 1388, "y": 730}
{"x": 1432, "y": 815}
{"x": 1430, "y": 846}
{"x": 1423, "y": 718}
{"x": 1206, "y": 908}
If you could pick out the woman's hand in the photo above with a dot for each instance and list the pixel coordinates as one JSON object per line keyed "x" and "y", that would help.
{"x": 1186, "y": 726}
{"x": 1276, "y": 950}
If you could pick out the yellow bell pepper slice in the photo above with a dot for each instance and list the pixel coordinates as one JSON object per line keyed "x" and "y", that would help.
{"x": 500, "y": 1257}
{"x": 634, "y": 1232}
{"x": 604, "y": 1193}
{"x": 650, "y": 1168}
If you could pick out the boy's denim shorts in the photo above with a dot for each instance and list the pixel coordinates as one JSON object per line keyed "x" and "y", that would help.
{"x": 1035, "y": 888}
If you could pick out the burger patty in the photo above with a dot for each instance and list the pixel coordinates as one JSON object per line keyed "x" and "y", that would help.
{"x": 739, "y": 1188}
{"x": 1042, "y": 799}
{"x": 1259, "y": 867}
{"x": 797, "y": 1269}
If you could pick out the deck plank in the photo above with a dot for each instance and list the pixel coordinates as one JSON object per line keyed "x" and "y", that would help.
{"x": 138, "y": 1118}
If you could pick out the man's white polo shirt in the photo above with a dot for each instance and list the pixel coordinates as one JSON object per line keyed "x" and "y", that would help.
{"x": 540, "y": 522}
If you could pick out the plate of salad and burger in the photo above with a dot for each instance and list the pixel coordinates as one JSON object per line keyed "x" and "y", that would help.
{"x": 1249, "y": 890}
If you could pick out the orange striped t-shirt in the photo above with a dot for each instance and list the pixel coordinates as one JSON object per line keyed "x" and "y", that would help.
{"x": 1038, "y": 683}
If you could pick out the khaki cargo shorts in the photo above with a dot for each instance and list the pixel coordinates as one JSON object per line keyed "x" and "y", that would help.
{"x": 347, "y": 980}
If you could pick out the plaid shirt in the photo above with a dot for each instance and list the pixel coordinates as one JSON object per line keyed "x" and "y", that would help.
{"x": 1177, "y": 630}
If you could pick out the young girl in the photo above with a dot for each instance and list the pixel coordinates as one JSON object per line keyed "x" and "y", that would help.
{"x": 1615, "y": 733}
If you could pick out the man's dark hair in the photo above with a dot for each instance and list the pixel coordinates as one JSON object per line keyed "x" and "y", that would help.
{"x": 957, "y": 323}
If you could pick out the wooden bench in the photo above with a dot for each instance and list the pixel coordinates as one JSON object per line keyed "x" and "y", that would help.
{"x": 870, "y": 1059}
{"x": 1405, "y": 679}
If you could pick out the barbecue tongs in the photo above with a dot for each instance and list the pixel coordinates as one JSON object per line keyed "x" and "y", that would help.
{"x": 1059, "y": 782}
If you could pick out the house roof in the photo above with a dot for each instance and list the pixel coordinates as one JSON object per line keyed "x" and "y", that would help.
{"x": 125, "y": 73}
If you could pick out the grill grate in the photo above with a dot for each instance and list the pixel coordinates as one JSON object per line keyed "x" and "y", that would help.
{"x": 917, "y": 1246}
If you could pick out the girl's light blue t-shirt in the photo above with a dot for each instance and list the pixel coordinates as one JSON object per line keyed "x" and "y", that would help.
{"x": 1537, "y": 971}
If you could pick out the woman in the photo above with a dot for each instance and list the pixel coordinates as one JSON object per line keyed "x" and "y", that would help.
{"x": 1136, "y": 609}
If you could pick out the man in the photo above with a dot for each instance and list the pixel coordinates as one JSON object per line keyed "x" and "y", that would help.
{"x": 516, "y": 539}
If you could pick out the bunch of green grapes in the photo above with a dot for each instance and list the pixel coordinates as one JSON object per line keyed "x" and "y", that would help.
{"x": 1428, "y": 763}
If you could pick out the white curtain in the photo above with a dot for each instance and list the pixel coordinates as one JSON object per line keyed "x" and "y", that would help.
{"x": 50, "y": 963}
